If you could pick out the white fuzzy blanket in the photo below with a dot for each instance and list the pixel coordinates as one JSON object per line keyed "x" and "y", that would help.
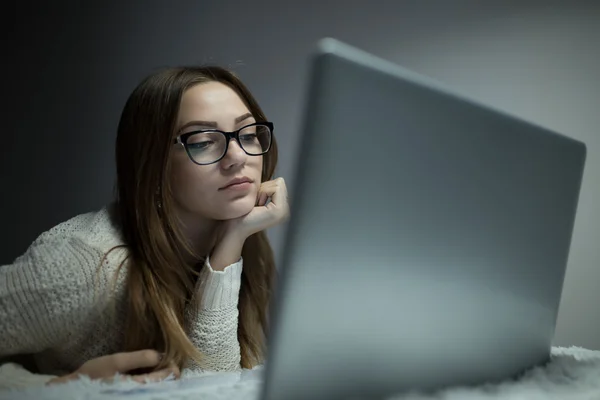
{"x": 573, "y": 374}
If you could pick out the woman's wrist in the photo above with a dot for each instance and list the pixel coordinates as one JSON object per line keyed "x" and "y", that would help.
{"x": 228, "y": 251}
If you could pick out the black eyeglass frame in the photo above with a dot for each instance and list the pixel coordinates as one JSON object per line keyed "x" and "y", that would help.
{"x": 183, "y": 138}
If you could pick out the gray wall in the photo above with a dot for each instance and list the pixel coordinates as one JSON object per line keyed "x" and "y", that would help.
{"x": 71, "y": 69}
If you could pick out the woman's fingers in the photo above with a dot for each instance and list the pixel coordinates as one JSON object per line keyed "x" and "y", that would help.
{"x": 279, "y": 196}
{"x": 276, "y": 190}
{"x": 262, "y": 198}
{"x": 124, "y": 362}
{"x": 157, "y": 376}
{"x": 105, "y": 368}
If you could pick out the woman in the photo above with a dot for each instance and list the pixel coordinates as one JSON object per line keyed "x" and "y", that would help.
{"x": 178, "y": 272}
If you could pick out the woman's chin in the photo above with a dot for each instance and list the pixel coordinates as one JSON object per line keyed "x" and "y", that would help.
{"x": 236, "y": 211}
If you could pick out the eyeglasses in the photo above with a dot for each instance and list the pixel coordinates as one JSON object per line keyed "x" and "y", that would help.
{"x": 209, "y": 146}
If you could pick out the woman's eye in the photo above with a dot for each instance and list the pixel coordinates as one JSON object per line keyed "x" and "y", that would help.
{"x": 201, "y": 145}
{"x": 249, "y": 137}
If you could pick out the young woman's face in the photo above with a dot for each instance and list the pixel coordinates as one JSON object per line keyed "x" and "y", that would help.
{"x": 202, "y": 191}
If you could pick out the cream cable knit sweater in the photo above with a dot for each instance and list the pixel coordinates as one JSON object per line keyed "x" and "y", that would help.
{"x": 55, "y": 305}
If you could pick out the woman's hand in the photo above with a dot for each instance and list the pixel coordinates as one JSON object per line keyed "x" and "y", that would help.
{"x": 265, "y": 215}
{"x": 105, "y": 368}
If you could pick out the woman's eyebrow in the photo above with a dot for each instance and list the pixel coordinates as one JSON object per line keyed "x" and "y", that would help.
{"x": 213, "y": 124}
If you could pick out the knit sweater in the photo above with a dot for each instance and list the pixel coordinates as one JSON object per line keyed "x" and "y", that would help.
{"x": 57, "y": 304}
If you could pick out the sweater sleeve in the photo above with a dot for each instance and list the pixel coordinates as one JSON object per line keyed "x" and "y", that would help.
{"x": 43, "y": 293}
{"x": 212, "y": 318}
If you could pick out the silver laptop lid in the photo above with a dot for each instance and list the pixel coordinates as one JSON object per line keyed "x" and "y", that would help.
{"x": 428, "y": 239}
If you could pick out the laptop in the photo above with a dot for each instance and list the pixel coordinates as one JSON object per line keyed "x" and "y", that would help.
{"x": 428, "y": 239}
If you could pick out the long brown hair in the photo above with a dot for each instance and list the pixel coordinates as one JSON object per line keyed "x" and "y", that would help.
{"x": 160, "y": 280}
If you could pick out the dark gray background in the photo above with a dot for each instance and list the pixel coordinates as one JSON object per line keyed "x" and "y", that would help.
{"x": 68, "y": 68}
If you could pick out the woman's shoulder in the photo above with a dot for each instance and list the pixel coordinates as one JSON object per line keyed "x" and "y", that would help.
{"x": 98, "y": 229}
{"x": 86, "y": 240}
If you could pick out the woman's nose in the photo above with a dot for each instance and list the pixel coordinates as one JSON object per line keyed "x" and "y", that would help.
{"x": 235, "y": 154}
